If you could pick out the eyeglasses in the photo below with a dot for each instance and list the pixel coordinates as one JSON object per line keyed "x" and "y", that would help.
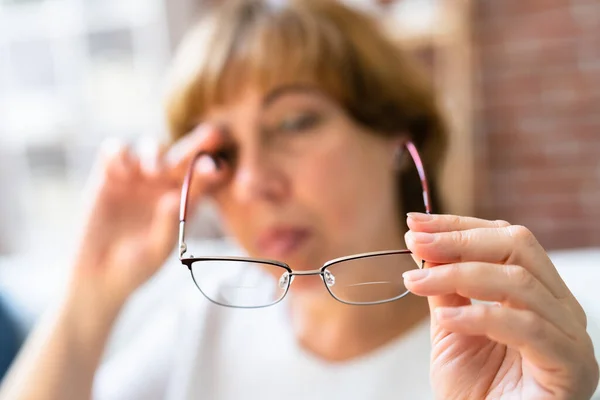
{"x": 244, "y": 282}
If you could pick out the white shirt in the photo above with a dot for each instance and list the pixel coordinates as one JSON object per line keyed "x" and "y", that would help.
{"x": 205, "y": 351}
{"x": 175, "y": 344}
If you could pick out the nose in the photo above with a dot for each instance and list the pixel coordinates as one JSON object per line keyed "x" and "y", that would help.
{"x": 259, "y": 177}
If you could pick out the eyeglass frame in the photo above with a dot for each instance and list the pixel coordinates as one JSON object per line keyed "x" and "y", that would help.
{"x": 189, "y": 261}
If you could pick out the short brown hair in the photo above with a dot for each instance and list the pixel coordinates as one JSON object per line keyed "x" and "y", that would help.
{"x": 322, "y": 42}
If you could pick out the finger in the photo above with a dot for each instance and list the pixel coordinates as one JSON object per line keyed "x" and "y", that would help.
{"x": 444, "y": 300}
{"x": 418, "y": 222}
{"x": 514, "y": 245}
{"x": 204, "y": 138}
{"x": 513, "y": 286}
{"x": 164, "y": 226}
{"x": 151, "y": 153}
{"x": 117, "y": 159}
{"x": 204, "y": 179}
{"x": 131, "y": 162}
{"x": 508, "y": 245}
{"x": 535, "y": 338}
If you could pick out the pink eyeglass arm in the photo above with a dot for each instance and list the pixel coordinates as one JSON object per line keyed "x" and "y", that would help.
{"x": 187, "y": 181}
{"x": 419, "y": 164}
{"x": 183, "y": 206}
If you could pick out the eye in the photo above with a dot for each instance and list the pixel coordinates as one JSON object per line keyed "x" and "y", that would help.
{"x": 224, "y": 158}
{"x": 299, "y": 123}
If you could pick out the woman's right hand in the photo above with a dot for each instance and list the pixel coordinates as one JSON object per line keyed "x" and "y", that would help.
{"x": 132, "y": 220}
{"x": 129, "y": 232}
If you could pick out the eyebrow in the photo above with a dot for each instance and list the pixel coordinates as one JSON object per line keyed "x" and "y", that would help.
{"x": 279, "y": 91}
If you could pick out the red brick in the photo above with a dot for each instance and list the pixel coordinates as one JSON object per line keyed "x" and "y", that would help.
{"x": 494, "y": 9}
{"x": 555, "y": 24}
{"x": 517, "y": 90}
{"x": 586, "y": 15}
{"x": 539, "y": 117}
{"x": 588, "y": 53}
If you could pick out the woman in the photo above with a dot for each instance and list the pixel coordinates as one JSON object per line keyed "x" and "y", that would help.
{"x": 307, "y": 108}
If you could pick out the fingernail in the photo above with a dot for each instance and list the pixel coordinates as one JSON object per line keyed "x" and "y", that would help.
{"x": 422, "y": 237}
{"x": 447, "y": 312}
{"x": 419, "y": 217}
{"x": 415, "y": 275}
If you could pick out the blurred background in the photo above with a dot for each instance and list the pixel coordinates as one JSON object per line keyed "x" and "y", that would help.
{"x": 519, "y": 81}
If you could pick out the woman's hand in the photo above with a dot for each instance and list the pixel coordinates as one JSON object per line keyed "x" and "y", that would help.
{"x": 530, "y": 342}
{"x": 133, "y": 219}
{"x": 130, "y": 230}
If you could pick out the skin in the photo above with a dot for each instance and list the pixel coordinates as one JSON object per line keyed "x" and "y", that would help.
{"x": 531, "y": 344}
{"x": 280, "y": 174}
{"x": 298, "y": 161}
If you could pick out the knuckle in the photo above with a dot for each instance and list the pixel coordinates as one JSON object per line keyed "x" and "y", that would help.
{"x": 521, "y": 277}
{"x": 522, "y": 235}
{"x": 581, "y": 315}
{"x": 461, "y": 238}
{"x": 501, "y": 223}
{"x": 577, "y": 310}
{"x": 455, "y": 221}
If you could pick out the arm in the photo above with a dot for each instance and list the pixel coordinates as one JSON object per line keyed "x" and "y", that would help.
{"x": 61, "y": 356}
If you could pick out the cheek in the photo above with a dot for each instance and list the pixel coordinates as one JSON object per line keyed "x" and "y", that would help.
{"x": 339, "y": 189}
{"x": 236, "y": 219}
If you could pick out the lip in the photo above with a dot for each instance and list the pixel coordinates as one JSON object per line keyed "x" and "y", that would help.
{"x": 281, "y": 242}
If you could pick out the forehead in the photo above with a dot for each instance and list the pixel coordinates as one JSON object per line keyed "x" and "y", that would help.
{"x": 254, "y": 100}
{"x": 245, "y": 104}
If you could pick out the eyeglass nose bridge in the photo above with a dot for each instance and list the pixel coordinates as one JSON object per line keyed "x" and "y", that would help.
{"x": 307, "y": 273}
{"x": 326, "y": 275}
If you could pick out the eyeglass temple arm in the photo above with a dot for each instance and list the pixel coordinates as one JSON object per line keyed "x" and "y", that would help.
{"x": 412, "y": 149}
{"x": 183, "y": 206}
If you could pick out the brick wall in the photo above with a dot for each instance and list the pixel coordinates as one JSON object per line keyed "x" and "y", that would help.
{"x": 538, "y": 117}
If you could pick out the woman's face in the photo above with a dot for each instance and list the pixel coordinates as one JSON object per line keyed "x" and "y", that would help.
{"x": 307, "y": 183}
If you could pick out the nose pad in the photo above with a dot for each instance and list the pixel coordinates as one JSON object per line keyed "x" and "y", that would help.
{"x": 329, "y": 278}
{"x": 285, "y": 280}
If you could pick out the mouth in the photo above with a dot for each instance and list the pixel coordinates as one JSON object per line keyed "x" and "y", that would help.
{"x": 281, "y": 242}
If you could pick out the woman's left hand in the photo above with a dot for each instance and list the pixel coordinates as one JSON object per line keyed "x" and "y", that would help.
{"x": 530, "y": 342}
